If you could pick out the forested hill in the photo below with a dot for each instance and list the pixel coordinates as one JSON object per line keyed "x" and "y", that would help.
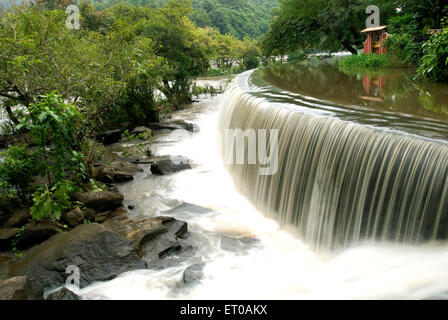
{"x": 240, "y": 18}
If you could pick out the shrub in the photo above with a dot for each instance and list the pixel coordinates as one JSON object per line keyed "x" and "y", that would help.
{"x": 18, "y": 170}
{"x": 51, "y": 121}
{"x": 365, "y": 61}
{"x": 434, "y": 64}
{"x": 404, "y": 49}
{"x": 51, "y": 202}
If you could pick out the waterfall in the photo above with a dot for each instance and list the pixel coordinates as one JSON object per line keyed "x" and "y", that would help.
{"x": 340, "y": 182}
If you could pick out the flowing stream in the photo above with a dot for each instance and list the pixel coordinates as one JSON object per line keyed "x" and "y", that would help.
{"x": 254, "y": 246}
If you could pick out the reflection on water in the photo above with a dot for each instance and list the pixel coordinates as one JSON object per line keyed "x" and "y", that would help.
{"x": 391, "y": 99}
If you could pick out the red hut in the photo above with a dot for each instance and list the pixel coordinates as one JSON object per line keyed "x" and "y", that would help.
{"x": 375, "y": 40}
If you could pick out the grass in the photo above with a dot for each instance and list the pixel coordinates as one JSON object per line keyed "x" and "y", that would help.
{"x": 366, "y": 61}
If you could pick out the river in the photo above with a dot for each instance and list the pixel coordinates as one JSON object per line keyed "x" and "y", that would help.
{"x": 247, "y": 253}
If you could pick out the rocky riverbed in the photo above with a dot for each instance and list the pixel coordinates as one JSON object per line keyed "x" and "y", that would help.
{"x": 105, "y": 239}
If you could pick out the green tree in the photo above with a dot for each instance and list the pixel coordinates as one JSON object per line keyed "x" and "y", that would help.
{"x": 51, "y": 121}
{"x": 186, "y": 48}
{"x": 38, "y": 55}
{"x": 434, "y": 64}
{"x": 320, "y": 25}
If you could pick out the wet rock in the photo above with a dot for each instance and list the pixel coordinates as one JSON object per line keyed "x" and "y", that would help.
{"x": 116, "y": 172}
{"x": 101, "y": 217}
{"x": 3, "y": 145}
{"x": 193, "y": 274}
{"x": 157, "y": 246}
{"x": 140, "y": 130}
{"x": 118, "y": 213}
{"x": 13, "y": 288}
{"x": 74, "y": 218}
{"x": 6, "y": 237}
{"x": 153, "y": 238}
{"x": 131, "y": 207}
{"x": 99, "y": 253}
{"x": 18, "y": 219}
{"x": 115, "y": 177}
{"x": 63, "y": 294}
{"x": 125, "y": 167}
{"x": 174, "y": 125}
{"x": 36, "y": 232}
{"x": 99, "y": 201}
{"x": 113, "y": 189}
{"x": 170, "y": 164}
{"x": 89, "y": 214}
{"x": 110, "y": 137}
{"x": 6, "y": 260}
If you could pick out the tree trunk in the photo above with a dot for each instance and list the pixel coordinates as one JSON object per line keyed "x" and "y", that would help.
{"x": 11, "y": 115}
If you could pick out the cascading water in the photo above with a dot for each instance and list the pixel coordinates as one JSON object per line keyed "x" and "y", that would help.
{"x": 247, "y": 255}
{"x": 340, "y": 182}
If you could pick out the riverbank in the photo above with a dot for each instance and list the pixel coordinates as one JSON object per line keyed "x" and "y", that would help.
{"x": 102, "y": 213}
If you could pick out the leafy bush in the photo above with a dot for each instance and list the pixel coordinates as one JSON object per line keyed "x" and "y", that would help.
{"x": 434, "y": 64}
{"x": 51, "y": 202}
{"x": 18, "y": 170}
{"x": 364, "y": 61}
{"x": 404, "y": 49}
{"x": 51, "y": 121}
{"x": 404, "y": 24}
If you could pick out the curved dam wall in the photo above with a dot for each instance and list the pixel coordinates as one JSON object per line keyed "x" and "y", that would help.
{"x": 337, "y": 182}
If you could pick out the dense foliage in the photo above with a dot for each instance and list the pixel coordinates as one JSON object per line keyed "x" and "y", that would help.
{"x": 366, "y": 61}
{"x": 239, "y": 18}
{"x": 434, "y": 64}
{"x": 60, "y": 87}
{"x": 318, "y": 25}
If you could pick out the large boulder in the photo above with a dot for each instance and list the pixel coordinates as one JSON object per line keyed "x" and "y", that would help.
{"x": 110, "y": 136}
{"x": 74, "y": 218}
{"x": 99, "y": 201}
{"x": 6, "y": 237}
{"x": 18, "y": 219}
{"x": 36, "y": 232}
{"x": 154, "y": 239}
{"x": 99, "y": 253}
{"x": 7, "y": 259}
{"x": 13, "y": 288}
{"x": 174, "y": 125}
{"x": 116, "y": 172}
{"x": 169, "y": 164}
{"x": 63, "y": 294}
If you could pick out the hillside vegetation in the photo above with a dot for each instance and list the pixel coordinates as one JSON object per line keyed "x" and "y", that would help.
{"x": 239, "y": 18}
